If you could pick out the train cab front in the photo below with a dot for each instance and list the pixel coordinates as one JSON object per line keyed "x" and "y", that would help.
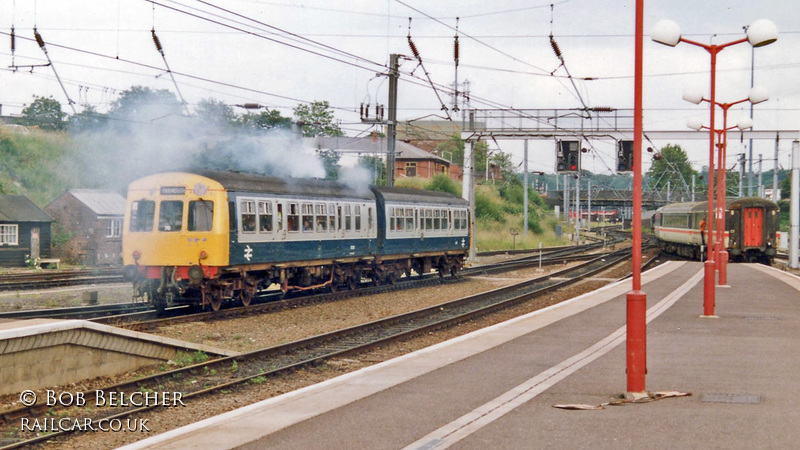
{"x": 175, "y": 237}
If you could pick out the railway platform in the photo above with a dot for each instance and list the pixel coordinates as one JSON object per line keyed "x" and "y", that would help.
{"x": 497, "y": 387}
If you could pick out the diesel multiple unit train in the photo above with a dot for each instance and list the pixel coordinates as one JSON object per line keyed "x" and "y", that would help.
{"x": 750, "y": 230}
{"x": 207, "y": 238}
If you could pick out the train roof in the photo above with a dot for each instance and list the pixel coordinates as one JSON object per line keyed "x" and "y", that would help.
{"x": 408, "y": 195}
{"x": 250, "y": 182}
{"x": 730, "y": 203}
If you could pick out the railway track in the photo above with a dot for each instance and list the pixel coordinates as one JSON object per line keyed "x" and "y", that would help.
{"x": 142, "y": 317}
{"x": 227, "y": 373}
{"x": 42, "y": 280}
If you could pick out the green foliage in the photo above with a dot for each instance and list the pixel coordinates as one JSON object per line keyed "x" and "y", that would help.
{"x": 673, "y": 168}
{"x": 785, "y": 217}
{"x": 44, "y": 113}
{"x": 265, "y": 120}
{"x": 376, "y": 166}
{"x": 318, "y": 119}
{"x": 215, "y": 113}
{"x": 443, "y": 183}
{"x": 330, "y": 160}
{"x": 188, "y": 359}
{"x": 485, "y": 208}
{"x": 30, "y": 165}
{"x": 535, "y": 221}
{"x": 452, "y": 149}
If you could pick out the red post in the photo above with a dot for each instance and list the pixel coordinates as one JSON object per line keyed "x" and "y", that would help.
{"x": 709, "y": 280}
{"x": 636, "y": 338}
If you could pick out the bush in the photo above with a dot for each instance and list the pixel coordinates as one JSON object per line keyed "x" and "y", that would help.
{"x": 443, "y": 183}
{"x": 485, "y": 208}
{"x": 535, "y": 221}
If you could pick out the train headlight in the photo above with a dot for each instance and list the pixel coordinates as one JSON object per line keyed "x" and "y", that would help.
{"x": 203, "y": 254}
{"x": 196, "y": 274}
{"x": 136, "y": 255}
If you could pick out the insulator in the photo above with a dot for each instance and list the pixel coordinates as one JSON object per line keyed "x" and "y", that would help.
{"x": 13, "y": 40}
{"x": 413, "y": 49}
{"x": 455, "y": 50}
{"x": 382, "y": 111}
{"x": 362, "y": 111}
{"x": 554, "y": 44}
{"x": 38, "y": 37}
{"x": 252, "y": 106}
{"x": 377, "y": 110}
{"x": 602, "y": 109}
{"x": 156, "y": 41}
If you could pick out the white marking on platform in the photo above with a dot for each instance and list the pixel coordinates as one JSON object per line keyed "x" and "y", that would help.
{"x": 478, "y": 418}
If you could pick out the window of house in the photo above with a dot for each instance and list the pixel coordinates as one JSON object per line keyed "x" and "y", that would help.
{"x": 114, "y": 228}
{"x": 170, "y": 216}
{"x": 411, "y": 169}
{"x": 201, "y": 215}
{"x": 265, "y": 217}
{"x": 9, "y": 234}
{"x": 143, "y": 212}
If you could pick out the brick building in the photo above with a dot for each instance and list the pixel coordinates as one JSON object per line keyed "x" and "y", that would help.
{"x": 93, "y": 220}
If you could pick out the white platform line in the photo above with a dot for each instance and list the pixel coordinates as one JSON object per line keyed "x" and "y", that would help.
{"x": 489, "y": 412}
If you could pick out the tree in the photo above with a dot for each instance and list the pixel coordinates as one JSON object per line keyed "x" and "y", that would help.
{"x": 145, "y": 104}
{"x": 317, "y": 119}
{"x": 376, "y": 166}
{"x": 215, "y": 113}
{"x": 330, "y": 160}
{"x": 265, "y": 120}
{"x": 44, "y": 113}
{"x": 87, "y": 120}
{"x": 673, "y": 167}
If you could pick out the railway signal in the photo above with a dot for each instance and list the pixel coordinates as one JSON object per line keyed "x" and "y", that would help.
{"x": 624, "y": 156}
{"x": 568, "y": 157}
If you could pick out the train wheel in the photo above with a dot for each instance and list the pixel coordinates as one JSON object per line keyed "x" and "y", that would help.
{"x": 216, "y": 301}
{"x": 246, "y": 296}
{"x": 454, "y": 271}
{"x": 352, "y": 283}
{"x": 392, "y": 278}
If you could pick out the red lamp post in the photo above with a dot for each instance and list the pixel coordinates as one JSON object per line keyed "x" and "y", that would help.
{"x": 636, "y": 299}
{"x": 757, "y": 95}
{"x": 759, "y": 33}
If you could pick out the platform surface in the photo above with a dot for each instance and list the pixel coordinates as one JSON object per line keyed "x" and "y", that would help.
{"x": 496, "y": 387}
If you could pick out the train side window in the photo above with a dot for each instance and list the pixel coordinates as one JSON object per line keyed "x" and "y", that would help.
{"x": 429, "y": 219}
{"x": 392, "y": 220}
{"x": 409, "y": 219}
{"x": 331, "y": 218}
{"x": 358, "y": 217}
{"x": 265, "y": 217}
{"x": 280, "y": 216}
{"x": 445, "y": 221}
{"x": 293, "y": 218}
{"x": 449, "y": 218}
{"x": 369, "y": 219}
{"x": 322, "y": 217}
{"x": 142, "y": 215}
{"x": 437, "y": 222}
{"x": 400, "y": 219}
{"x": 348, "y": 218}
{"x": 170, "y": 217}
{"x": 247, "y": 211}
{"x": 201, "y": 215}
{"x": 339, "y": 214}
{"x": 308, "y": 217}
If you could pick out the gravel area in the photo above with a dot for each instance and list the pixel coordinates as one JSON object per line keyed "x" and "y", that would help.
{"x": 249, "y": 333}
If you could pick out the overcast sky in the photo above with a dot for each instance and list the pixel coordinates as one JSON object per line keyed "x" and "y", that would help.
{"x": 282, "y": 52}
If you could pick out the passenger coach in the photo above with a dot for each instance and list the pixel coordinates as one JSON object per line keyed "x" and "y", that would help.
{"x": 206, "y": 238}
{"x": 751, "y": 225}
